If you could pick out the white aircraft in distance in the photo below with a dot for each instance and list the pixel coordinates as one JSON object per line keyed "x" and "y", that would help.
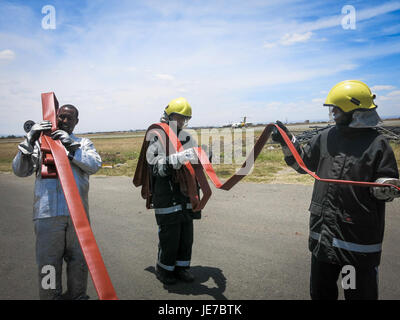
{"x": 240, "y": 124}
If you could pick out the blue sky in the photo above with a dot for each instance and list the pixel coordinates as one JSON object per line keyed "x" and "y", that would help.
{"x": 121, "y": 62}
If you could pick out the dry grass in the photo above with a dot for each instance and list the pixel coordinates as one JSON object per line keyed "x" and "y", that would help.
{"x": 8, "y": 150}
{"x": 122, "y": 153}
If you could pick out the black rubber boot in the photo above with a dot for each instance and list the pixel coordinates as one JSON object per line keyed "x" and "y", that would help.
{"x": 183, "y": 274}
{"x": 165, "y": 276}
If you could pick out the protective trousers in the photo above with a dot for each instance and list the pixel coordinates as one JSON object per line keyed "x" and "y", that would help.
{"x": 56, "y": 241}
{"x": 175, "y": 245}
{"x": 324, "y": 277}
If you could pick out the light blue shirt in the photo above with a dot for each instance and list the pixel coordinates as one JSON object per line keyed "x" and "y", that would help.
{"x": 49, "y": 200}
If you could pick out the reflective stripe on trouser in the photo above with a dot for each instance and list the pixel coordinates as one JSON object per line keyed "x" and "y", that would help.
{"x": 175, "y": 245}
{"x": 56, "y": 240}
{"x": 350, "y": 246}
{"x": 172, "y": 209}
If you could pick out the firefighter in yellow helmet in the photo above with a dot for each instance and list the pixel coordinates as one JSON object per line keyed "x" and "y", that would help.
{"x": 352, "y": 104}
{"x": 171, "y": 204}
{"x": 347, "y": 222}
{"x": 178, "y": 109}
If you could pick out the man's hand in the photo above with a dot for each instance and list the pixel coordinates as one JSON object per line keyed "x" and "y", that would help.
{"x": 176, "y": 160}
{"x": 36, "y": 129}
{"x": 276, "y": 136}
{"x": 386, "y": 193}
{"x": 66, "y": 140}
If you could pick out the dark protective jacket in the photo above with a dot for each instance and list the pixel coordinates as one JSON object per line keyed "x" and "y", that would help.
{"x": 169, "y": 200}
{"x": 347, "y": 222}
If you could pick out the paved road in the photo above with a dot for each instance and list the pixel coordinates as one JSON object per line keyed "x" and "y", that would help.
{"x": 247, "y": 246}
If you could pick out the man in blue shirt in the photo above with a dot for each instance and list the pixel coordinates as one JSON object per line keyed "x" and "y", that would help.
{"x": 56, "y": 239}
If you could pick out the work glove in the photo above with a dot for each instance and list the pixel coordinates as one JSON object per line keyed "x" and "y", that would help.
{"x": 66, "y": 140}
{"x": 386, "y": 193}
{"x": 36, "y": 130}
{"x": 176, "y": 160}
{"x": 276, "y": 136}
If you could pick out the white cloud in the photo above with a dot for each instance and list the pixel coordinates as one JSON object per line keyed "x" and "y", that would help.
{"x": 318, "y": 100}
{"x": 7, "y": 55}
{"x": 289, "y": 39}
{"x": 361, "y": 15}
{"x": 376, "y": 11}
{"x": 394, "y": 93}
{"x": 218, "y": 65}
{"x": 164, "y": 77}
{"x": 388, "y": 105}
{"x": 382, "y": 87}
{"x": 391, "y": 96}
{"x": 392, "y": 29}
{"x": 269, "y": 45}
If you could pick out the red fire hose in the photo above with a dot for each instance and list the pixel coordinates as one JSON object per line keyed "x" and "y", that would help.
{"x": 193, "y": 172}
{"x": 56, "y": 164}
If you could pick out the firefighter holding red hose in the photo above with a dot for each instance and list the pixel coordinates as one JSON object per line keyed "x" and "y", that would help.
{"x": 173, "y": 210}
{"x": 346, "y": 221}
{"x": 56, "y": 239}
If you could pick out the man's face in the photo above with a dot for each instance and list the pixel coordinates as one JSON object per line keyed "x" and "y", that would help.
{"x": 341, "y": 117}
{"x": 181, "y": 121}
{"x": 66, "y": 119}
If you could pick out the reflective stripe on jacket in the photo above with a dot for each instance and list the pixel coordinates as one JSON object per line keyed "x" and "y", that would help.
{"x": 170, "y": 204}
{"x": 347, "y": 222}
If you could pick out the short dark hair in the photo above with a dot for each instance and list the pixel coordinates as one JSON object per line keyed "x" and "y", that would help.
{"x": 70, "y": 106}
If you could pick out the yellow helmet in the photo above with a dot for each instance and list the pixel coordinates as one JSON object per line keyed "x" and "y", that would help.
{"x": 350, "y": 95}
{"x": 180, "y": 106}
